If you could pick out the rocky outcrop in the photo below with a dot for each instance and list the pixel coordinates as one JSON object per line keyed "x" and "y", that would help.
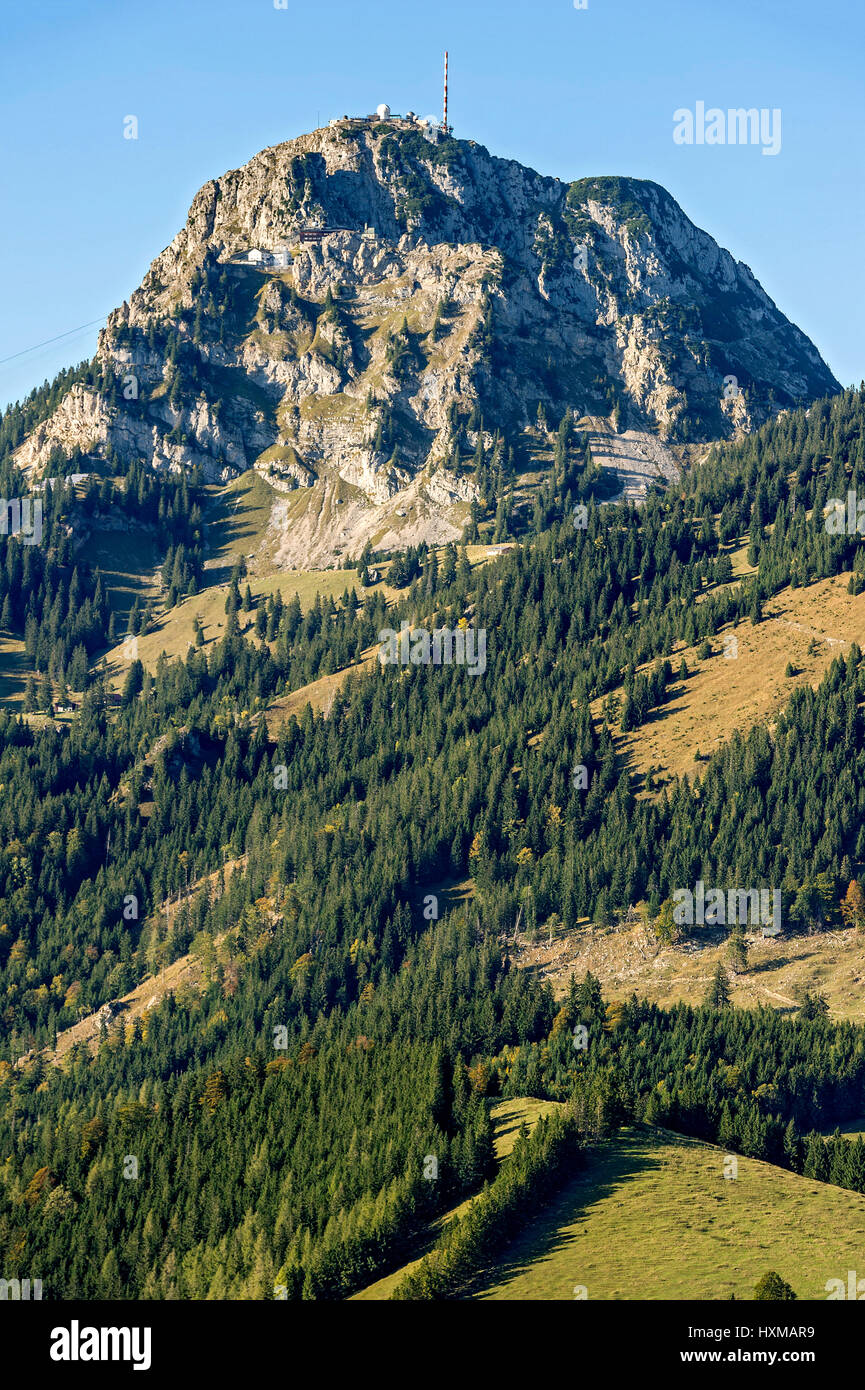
{"x": 450, "y": 286}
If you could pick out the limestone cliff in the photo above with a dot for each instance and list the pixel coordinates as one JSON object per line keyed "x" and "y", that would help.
{"x": 450, "y": 293}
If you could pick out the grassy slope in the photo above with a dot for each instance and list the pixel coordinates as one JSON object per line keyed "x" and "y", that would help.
{"x": 508, "y": 1115}
{"x": 725, "y": 693}
{"x": 173, "y": 633}
{"x": 654, "y": 1218}
{"x": 183, "y": 974}
{"x": 14, "y": 671}
{"x": 851, "y": 1129}
{"x": 237, "y": 526}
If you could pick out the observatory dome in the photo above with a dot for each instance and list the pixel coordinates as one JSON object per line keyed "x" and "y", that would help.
{"x": 382, "y": 111}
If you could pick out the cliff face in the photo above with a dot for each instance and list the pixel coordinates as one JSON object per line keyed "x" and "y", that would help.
{"x": 453, "y": 286}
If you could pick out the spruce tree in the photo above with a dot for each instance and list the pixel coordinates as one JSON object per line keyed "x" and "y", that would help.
{"x": 771, "y": 1288}
{"x": 718, "y": 993}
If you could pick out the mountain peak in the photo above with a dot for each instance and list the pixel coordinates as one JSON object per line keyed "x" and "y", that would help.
{"x": 353, "y": 309}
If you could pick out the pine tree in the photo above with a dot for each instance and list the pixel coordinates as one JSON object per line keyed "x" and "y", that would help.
{"x": 46, "y": 693}
{"x": 814, "y": 1006}
{"x": 629, "y": 714}
{"x": 718, "y": 993}
{"x": 771, "y": 1288}
{"x": 737, "y": 950}
{"x": 727, "y": 1132}
{"x": 133, "y": 683}
{"x": 793, "y": 1147}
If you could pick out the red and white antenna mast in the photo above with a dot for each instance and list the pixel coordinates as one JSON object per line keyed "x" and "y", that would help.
{"x": 445, "y": 121}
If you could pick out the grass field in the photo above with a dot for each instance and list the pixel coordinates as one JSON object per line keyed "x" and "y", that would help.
{"x": 653, "y": 1217}
{"x": 174, "y": 634}
{"x": 319, "y": 694}
{"x": 807, "y": 627}
{"x": 128, "y": 561}
{"x": 851, "y": 1129}
{"x": 13, "y": 671}
{"x": 237, "y": 517}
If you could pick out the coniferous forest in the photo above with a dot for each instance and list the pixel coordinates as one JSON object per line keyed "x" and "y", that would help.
{"x": 291, "y": 1127}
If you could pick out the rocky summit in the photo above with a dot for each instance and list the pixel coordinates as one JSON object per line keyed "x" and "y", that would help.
{"x": 355, "y": 310}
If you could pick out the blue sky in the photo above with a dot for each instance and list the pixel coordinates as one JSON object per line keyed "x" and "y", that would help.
{"x": 570, "y": 92}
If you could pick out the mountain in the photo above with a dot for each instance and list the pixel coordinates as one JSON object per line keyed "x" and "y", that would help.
{"x": 456, "y": 302}
{"x": 265, "y": 985}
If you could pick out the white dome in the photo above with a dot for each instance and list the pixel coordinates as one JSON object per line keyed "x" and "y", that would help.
{"x": 382, "y": 111}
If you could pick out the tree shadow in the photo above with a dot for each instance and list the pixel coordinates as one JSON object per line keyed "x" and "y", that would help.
{"x": 15, "y": 670}
{"x": 606, "y": 1169}
{"x": 773, "y": 963}
{"x": 228, "y": 524}
{"x": 502, "y": 1130}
